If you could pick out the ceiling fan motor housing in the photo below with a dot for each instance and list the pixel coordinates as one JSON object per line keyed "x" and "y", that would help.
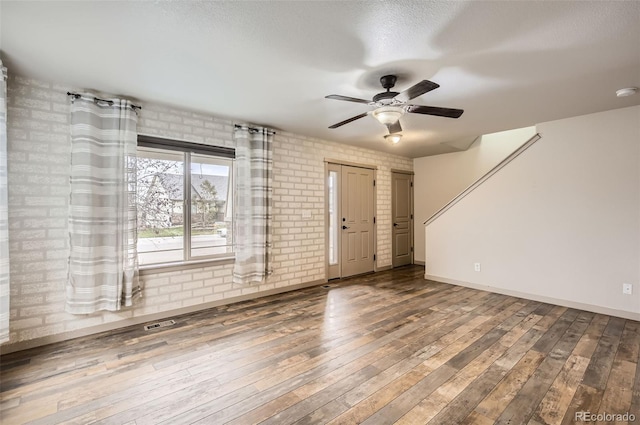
{"x": 386, "y": 97}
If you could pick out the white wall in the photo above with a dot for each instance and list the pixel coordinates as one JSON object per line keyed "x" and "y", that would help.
{"x": 39, "y": 161}
{"x": 440, "y": 178}
{"x": 560, "y": 223}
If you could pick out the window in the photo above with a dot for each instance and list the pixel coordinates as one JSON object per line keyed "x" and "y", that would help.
{"x": 184, "y": 199}
{"x": 332, "y": 184}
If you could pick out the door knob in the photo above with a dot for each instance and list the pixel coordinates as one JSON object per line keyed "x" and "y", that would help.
{"x": 395, "y": 224}
{"x": 344, "y": 227}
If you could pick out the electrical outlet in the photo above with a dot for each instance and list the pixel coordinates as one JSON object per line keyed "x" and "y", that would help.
{"x": 476, "y": 266}
{"x": 627, "y": 288}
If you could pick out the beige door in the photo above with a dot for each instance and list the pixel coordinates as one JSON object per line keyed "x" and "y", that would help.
{"x": 357, "y": 221}
{"x": 402, "y": 215}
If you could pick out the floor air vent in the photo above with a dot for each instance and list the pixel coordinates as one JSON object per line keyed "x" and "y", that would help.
{"x": 159, "y": 325}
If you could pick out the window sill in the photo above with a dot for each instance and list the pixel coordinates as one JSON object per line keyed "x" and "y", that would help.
{"x": 181, "y": 265}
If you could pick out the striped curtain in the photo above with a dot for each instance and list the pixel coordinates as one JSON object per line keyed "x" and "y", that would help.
{"x": 103, "y": 263}
{"x": 253, "y": 229}
{"x": 4, "y": 224}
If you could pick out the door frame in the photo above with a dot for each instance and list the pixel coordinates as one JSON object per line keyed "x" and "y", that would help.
{"x": 329, "y": 165}
{"x": 411, "y": 221}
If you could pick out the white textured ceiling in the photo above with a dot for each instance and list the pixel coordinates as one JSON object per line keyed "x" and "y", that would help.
{"x": 507, "y": 64}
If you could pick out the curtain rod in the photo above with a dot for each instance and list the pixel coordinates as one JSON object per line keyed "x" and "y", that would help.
{"x": 97, "y": 99}
{"x": 254, "y": 129}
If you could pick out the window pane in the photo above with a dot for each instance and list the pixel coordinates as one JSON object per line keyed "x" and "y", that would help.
{"x": 333, "y": 218}
{"x": 160, "y": 206}
{"x": 211, "y": 199}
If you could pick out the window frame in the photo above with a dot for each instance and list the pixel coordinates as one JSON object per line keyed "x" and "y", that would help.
{"x": 187, "y": 148}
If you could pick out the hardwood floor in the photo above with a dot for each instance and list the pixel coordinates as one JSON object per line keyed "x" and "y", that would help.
{"x": 377, "y": 349}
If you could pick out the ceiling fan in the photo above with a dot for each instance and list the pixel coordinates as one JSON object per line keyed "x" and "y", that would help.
{"x": 390, "y": 105}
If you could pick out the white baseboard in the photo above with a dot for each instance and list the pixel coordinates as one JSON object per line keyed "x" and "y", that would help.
{"x": 549, "y": 300}
{"x": 419, "y": 263}
{"x": 65, "y": 336}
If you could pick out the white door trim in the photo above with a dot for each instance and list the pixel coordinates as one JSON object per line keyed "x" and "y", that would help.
{"x": 328, "y": 166}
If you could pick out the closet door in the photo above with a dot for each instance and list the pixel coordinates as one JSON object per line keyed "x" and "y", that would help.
{"x": 402, "y": 216}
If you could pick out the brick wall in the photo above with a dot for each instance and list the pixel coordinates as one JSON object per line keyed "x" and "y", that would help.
{"x": 39, "y": 153}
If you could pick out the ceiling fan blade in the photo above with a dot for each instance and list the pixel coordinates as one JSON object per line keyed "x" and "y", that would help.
{"x": 357, "y": 117}
{"x": 395, "y": 127}
{"x": 434, "y": 110}
{"x": 414, "y": 91}
{"x": 347, "y": 98}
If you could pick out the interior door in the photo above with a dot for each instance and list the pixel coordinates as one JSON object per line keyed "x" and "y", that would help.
{"x": 402, "y": 215}
{"x": 356, "y": 224}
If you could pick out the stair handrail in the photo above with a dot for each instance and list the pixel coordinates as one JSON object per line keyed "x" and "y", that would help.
{"x": 526, "y": 145}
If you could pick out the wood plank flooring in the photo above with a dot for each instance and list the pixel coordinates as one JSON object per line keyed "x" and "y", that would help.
{"x": 377, "y": 349}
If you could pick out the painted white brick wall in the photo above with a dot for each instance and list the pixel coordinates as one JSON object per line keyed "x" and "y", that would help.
{"x": 39, "y": 154}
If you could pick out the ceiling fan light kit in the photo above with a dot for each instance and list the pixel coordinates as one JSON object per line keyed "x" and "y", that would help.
{"x": 391, "y": 106}
{"x": 388, "y": 115}
{"x": 393, "y": 138}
